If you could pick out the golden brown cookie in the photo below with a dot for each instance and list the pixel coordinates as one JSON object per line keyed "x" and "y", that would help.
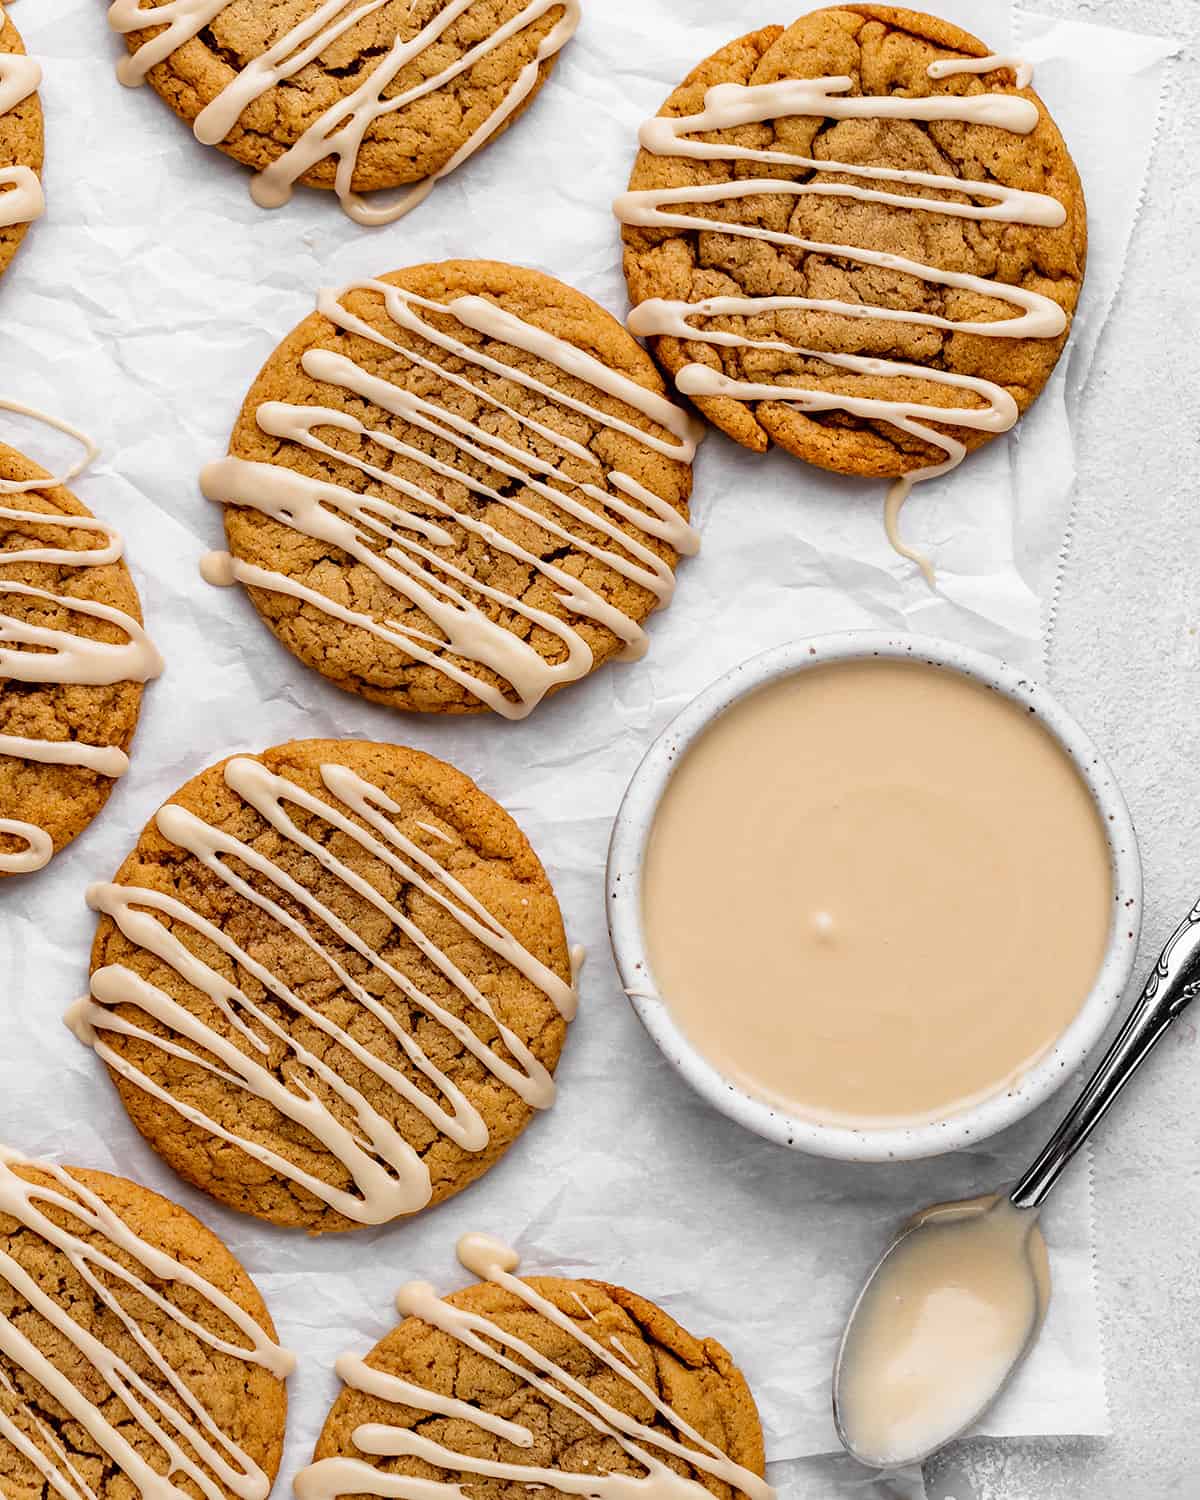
{"x": 449, "y": 1396}
{"x": 353, "y": 95}
{"x": 135, "y": 1347}
{"x": 889, "y": 284}
{"x": 330, "y": 983}
{"x": 458, "y": 487}
{"x": 20, "y": 141}
{"x": 73, "y": 658}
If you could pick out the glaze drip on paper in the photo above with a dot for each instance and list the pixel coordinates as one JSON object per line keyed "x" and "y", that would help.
{"x": 626, "y": 514}
{"x": 340, "y": 131}
{"x": 21, "y": 198}
{"x": 730, "y": 105}
{"x": 61, "y": 656}
{"x": 192, "y": 1447}
{"x": 389, "y": 1177}
{"x": 649, "y": 1447}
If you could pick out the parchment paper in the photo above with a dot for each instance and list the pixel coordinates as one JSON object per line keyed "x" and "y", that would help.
{"x": 141, "y": 309}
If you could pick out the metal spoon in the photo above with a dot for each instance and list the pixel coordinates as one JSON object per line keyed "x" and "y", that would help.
{"x": 1172, "y": 986}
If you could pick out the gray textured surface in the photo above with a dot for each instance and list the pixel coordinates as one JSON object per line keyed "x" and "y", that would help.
{"x": 1126, "y": 658}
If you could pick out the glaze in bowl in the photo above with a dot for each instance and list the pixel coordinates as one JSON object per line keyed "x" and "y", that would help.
{"x": 979, "y": 1120}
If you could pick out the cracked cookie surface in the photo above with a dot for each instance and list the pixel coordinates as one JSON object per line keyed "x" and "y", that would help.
{"x": 883, "y": 51}
{"x": 401, "y": 146}
{"x": 695, "y": 1378}
{"x": 355, "y": 1041}
{"x": 244, "y": 1401}
{"x": 59, "y": 799}
{"x": 21, "y": 142}
{"x": 512, "y": 530}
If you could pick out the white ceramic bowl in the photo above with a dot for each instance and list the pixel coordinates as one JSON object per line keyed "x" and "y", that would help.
{"x": 956, "y": 1131}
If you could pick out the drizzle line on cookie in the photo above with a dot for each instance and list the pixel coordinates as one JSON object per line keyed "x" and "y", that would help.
{"x": 650, "y": 1447}
{"x": 730, "y": 105}
{"x": 409, "y": 566}
{"x": 340, "y": 131}
{"x": 61, "y": 657}
{"x": 21, "y": 198}
{"x": 186, "y": 1433}
{"x": 389, "y": 1177}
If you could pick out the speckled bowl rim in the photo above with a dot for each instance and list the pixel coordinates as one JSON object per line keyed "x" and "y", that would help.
{"x": 986, "y": 1118}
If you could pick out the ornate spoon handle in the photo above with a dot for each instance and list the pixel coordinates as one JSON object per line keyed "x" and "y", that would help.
{"x": 1172, "y": 986}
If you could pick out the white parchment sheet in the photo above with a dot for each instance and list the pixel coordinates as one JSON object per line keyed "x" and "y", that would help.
{"x": 142, "y": 307}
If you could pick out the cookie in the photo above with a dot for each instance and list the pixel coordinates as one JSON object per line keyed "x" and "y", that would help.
{"x": 353, "y": 95}
{"x": 330, "y": 983}
{"x": 859, "y": 237}
{"x": 21, "y": 198}
{"x": 73, "y": 659}
{"x": 576, "y": 1387}
{"x": 136, "y": 1355}
{"x": 456, "y": 488}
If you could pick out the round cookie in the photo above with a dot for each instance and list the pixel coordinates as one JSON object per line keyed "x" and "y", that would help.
{"x": 73, "y": 659}
{"x": 352, "y": 991}
{"x": 20, "y": 141}
{"x": 449, "y": 511}
{"x": 351, "y": 95}
{"x": 869, "y": 389}
{"x": 449, "y": 1396}
{"x": 136, "y": 1348}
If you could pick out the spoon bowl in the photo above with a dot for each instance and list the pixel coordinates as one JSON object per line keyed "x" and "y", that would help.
{"x": 962, "y": 1284}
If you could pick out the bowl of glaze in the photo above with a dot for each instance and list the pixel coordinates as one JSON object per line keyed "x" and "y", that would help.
{"x": 979, "y": 1117}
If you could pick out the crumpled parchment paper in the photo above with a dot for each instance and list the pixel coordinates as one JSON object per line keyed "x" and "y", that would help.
{"x": 142, "y": 307}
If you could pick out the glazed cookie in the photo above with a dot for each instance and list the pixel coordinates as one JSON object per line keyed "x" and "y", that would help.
{"x": 574, "y": 1387}
{"x": 860, "y": 237}
{"x": 73, "y": 659}
{"x": 353, "y": 95}
{"x": 330, "y": 983}
{"x": 136, "y": 1355}
{"x": 21, "y": 198}
{"x": 455, "y": 488}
